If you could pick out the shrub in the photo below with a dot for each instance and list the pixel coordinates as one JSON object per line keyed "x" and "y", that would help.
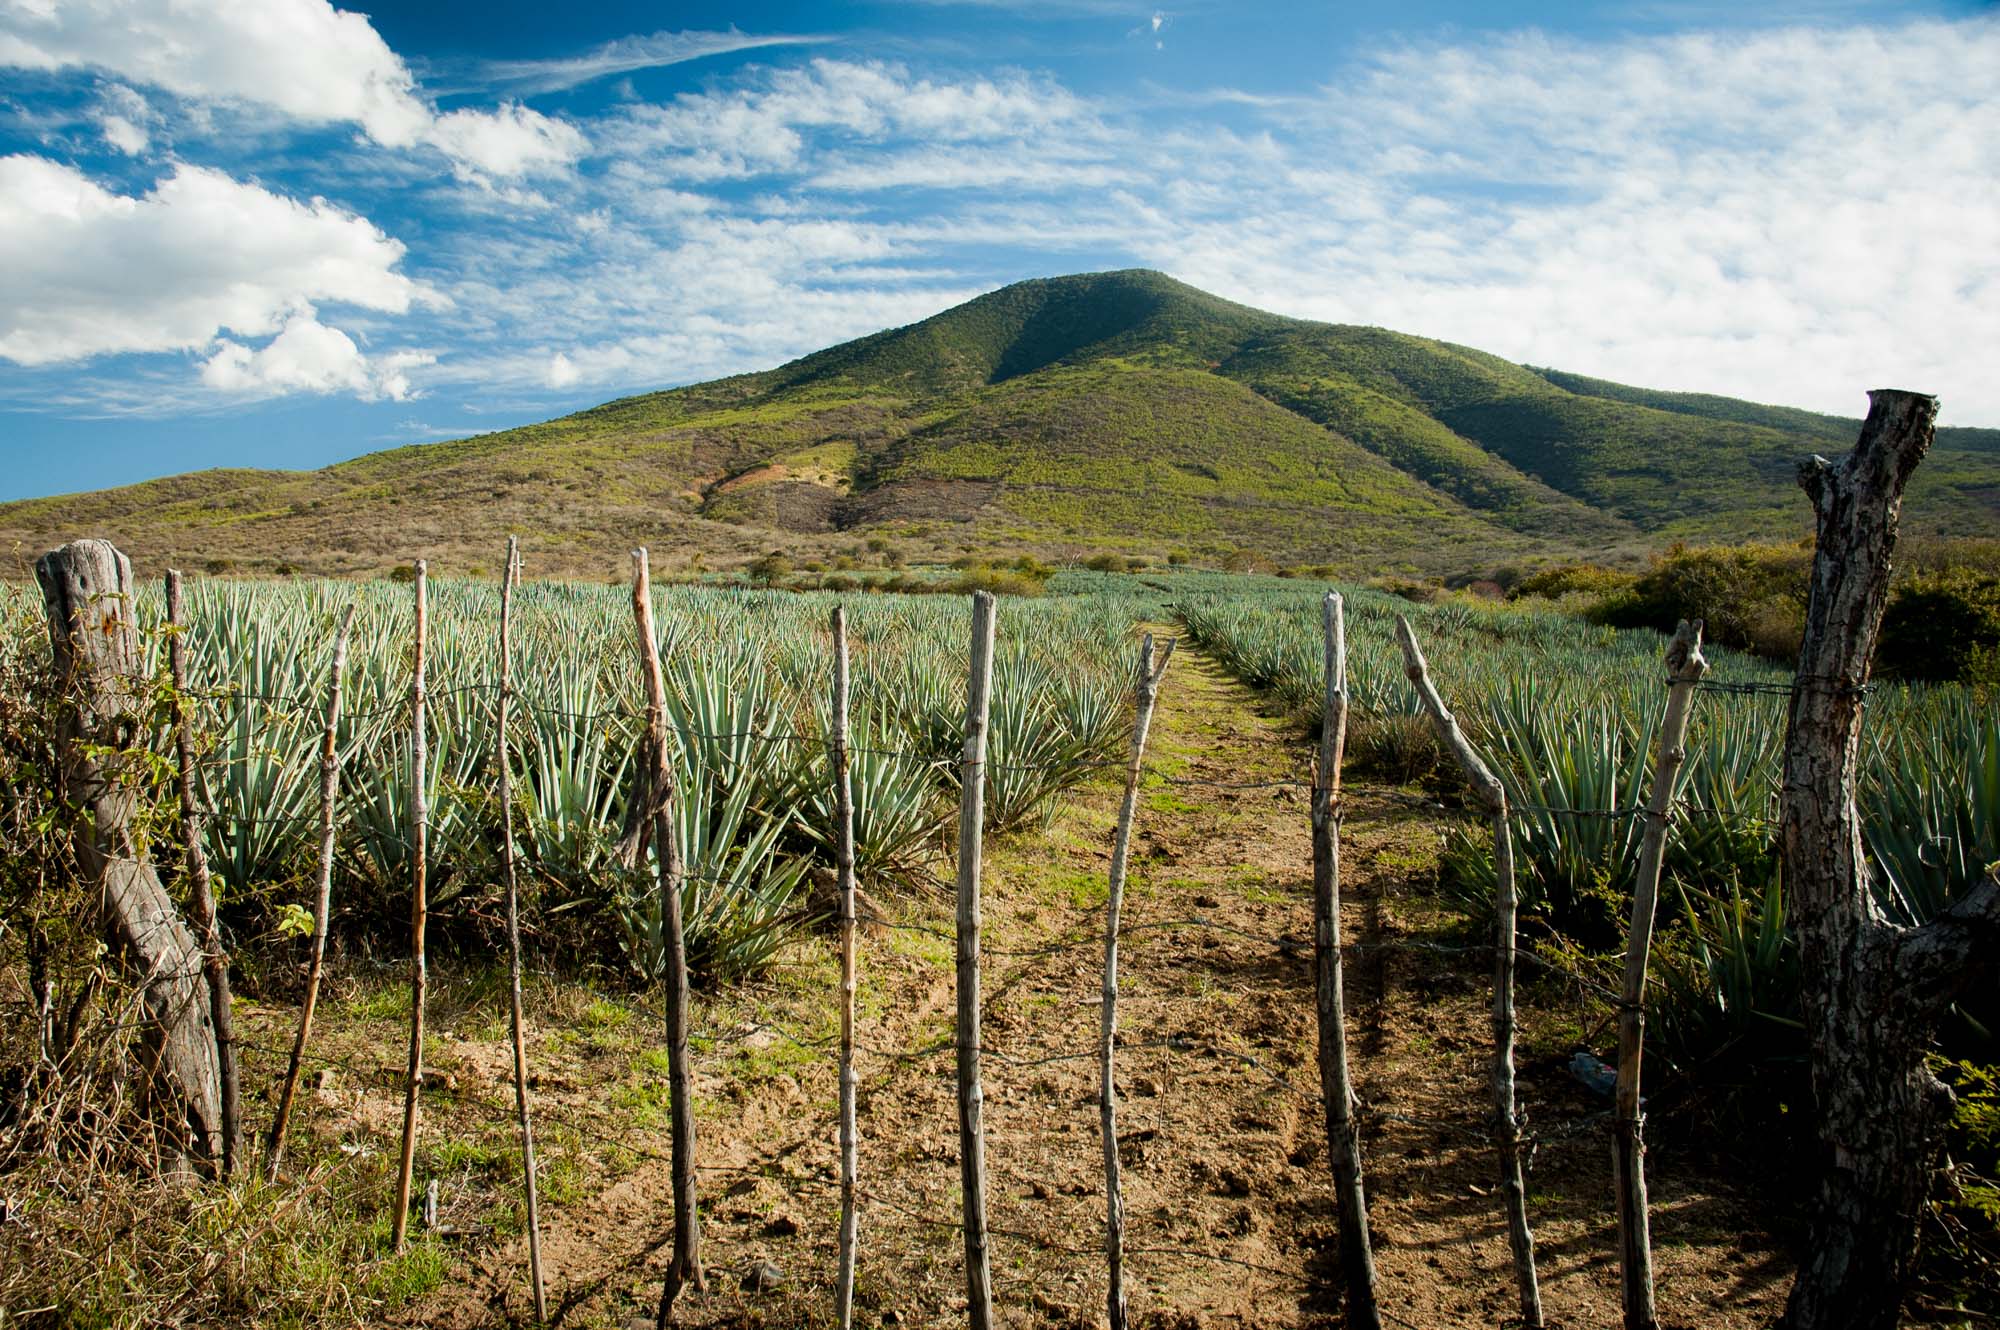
{"x": 1748, "y": 596}
{"x": 1943, "y": 625}
{"x": 1565, "y": 579}
{"x": 770, "y": 569}
{"x": 1001, "y": 580}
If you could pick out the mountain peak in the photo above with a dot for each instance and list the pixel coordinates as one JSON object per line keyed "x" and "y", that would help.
{"x": 1031, "y": 325}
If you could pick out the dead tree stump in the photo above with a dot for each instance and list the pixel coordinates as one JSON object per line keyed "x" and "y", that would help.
{"x": 1874, "y": 992}
{"x": 87, "y": 587}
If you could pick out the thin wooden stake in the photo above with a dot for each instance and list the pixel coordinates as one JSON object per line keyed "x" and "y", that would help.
{"x": 1685, "y": 667}
{"x": 1107, "y": 1039}
{"x": 971, "y": 1100}
{"x": 843, "y": 817}
{"x": 1343, "y": 1134}
{"x": 506, "y": 762}
{"x": 329, "y": 793}
{"x": 201, "y": 894}
{"x": 1506, "y": 1116}
{"x": 684, "y": 1271}
{"x": 419, "y": 913}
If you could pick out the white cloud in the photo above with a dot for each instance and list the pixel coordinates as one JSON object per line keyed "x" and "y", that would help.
{"x": 513, "y": 141}
{"x": 86, "y": 272}
{"x": 308, "y": 356}
{"x": 628, "y": 55}
{"x": 303, "y": 58}
{"x": 765, "y": 128}
{"x": 562, "y": 372}
{"x": 123, "y": 117}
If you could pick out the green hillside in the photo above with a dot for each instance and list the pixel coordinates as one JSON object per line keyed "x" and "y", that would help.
{"x": 1121, "y": 411}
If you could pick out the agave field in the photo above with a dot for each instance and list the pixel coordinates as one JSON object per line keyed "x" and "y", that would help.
{"x": 748, "y": 678}
{"x": 1566, "y": 712}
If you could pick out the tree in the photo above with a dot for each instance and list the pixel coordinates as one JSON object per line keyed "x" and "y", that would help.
{"x": 1874, "y": 991}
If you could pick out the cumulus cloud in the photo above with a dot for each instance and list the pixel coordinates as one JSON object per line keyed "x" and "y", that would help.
{"x": 85, "y": 272}
{"x": 303, "y": 58}
{"x": 308, "y": 356}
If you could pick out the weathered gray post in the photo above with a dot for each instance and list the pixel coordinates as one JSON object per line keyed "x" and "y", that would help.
{"x": 971, "y": 1100}
{"x": 94, "y": 640}
{"x": 685, "y": 1268}
{"x": 1685, "y": 666}
{"x": 419, "y": 911}
{"x": 1107, "y": 1039}
{"x": 850, "y": 1137}
{"x": 1506, "y": 1116}
{"x": 505, "y": 760}
{"x": 1343, "y": 1134}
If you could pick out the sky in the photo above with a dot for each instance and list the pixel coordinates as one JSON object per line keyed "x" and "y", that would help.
{"x": 275, "y": 233}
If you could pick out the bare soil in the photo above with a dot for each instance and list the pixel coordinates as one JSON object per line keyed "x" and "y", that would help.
{"x": 1230, "y": 1217}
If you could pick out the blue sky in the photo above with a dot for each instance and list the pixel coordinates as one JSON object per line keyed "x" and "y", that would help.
{"x": 279, "y": 234}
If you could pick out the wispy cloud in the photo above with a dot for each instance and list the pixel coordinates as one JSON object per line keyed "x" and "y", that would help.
{"x": 628, "y": 55}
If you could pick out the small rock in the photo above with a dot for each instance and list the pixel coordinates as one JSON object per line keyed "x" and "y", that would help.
{"x": 762, "y": 1277}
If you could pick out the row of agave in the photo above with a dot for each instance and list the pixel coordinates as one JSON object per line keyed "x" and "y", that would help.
{"x": 748, "y": 679}
{"x": 1567, "y": 713}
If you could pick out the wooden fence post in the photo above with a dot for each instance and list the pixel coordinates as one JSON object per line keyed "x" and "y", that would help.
{"x": 1873, "y": 993}
{"x": 843, "y": 817}
{"x": 1107, "y": 1039}
{"x": 94, "y": 643}
{"x": 1343, "y": 1135}
{"x": 971, "y": 1102}
{"x": 201, "y": 894}
{"x": 329, "y": 794}
{"x": 685, "y": 1268}
{"x": 1506, "y": 1116}
{"x": 419, "y": 911}
{"x": 1685, "y": 666}
{"x": 505, "y": 760}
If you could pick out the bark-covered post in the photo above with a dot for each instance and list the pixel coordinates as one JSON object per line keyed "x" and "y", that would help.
{"x": 684, "y": 1270}
{"x": 1107, "y": 1039}
{"x": 329, "y": 796}
{"x": 419, "y": 911}
{"x": 1343, "y": 1133}
{"x": 201, "y": 894}
{"x": 1506, "y": 904}
{"x": 94, "y": 641}
{"x": 1685, "y": 666}
{"x": 850, "y": 1137}
{"x": 971, "y": 1098}
{"x": 504, "y": 759}
{"x": 1873, "y": 991}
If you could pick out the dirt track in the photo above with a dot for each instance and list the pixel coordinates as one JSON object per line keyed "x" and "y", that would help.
{"x": 1229, "y": 1212}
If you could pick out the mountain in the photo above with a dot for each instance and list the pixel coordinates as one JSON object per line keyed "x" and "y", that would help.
{"x": 1107, "y": 411}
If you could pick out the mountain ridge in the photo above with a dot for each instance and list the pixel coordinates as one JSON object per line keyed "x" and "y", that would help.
{"x": 1105, "y": 411}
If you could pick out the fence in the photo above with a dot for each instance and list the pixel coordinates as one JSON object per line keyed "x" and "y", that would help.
{"x": 651, "y": 817}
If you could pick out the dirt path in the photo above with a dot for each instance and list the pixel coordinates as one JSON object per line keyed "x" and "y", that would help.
{"x": 1229, "y": 1213}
